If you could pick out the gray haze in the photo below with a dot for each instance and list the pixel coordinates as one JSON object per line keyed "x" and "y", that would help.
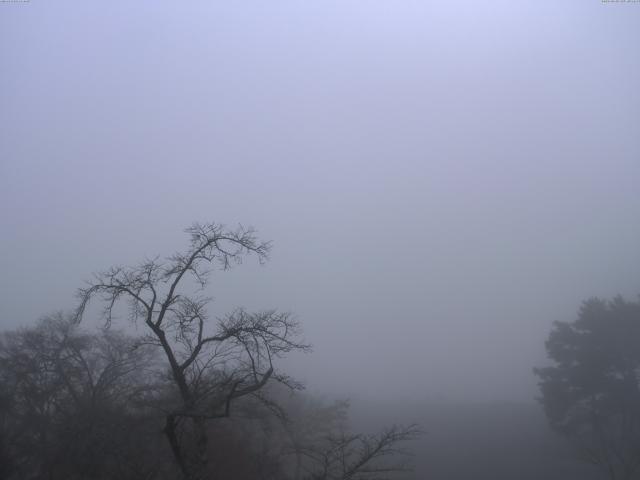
{"x": 441, "y": 180}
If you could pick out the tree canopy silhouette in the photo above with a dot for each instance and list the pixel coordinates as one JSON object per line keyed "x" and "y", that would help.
{"x": 95, "y": 404}
{"x": 591, "y": 393}
{"x": 212, "y": 362}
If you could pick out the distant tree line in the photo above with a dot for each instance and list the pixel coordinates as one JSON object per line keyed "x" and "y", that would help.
{"x": 193, "y": 397}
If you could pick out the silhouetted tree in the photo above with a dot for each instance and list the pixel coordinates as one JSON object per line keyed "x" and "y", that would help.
{"x": 68, "y": 402}
{"x": 591, "y": 393}
{"x": 96, "y": 405}
{"x": 324, "y": 448}
{"x": 211, "y": 363}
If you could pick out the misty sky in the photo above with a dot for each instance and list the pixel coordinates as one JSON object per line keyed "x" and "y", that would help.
{"x": 441, "y": 180}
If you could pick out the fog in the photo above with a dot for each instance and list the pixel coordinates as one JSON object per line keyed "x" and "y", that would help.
{"x": 441, "y": 180}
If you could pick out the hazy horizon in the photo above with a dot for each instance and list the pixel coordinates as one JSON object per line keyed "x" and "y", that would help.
{"x": 441, "y": 180}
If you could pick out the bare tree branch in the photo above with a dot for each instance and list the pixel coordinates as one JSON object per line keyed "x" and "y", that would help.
{"x": 211, "y": 363}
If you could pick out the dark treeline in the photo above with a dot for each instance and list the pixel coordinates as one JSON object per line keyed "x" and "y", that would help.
{"x": 193, "y": 397}
{"x": 197, "y": 397}
{"x": 93, "y": 405}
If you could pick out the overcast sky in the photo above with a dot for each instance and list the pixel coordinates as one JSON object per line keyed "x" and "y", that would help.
{"x": 441, "y": 180}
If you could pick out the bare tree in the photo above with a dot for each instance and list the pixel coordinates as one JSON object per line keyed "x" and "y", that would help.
{"x": 65, "y": 396}
{"x": 324, "y": 449}
{"x": 361, "y": 457}
{"x": 210, "y": 363}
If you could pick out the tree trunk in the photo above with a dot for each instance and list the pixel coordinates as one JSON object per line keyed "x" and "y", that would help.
{"x": 200, "y": 456}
